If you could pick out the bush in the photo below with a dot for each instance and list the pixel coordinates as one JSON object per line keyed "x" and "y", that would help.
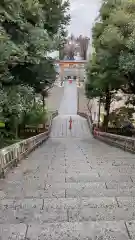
{"x": 35, "y": 116}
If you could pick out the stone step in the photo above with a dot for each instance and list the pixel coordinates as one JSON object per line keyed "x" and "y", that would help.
{"x": 66, "y": 210}
{"x": 68, "y": 231}
{"x": 68, "y": 190}
{"x": 88, "y": 176}
{"x": 60, "y": 127}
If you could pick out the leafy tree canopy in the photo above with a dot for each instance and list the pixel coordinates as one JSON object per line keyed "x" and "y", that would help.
{"x": 114, "y": 44}
{"x": 29, "y": 31}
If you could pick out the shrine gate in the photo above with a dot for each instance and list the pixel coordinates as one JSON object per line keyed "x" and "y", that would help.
{"x": 72, "y": 68}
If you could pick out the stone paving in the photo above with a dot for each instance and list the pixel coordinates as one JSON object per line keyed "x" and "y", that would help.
{"x": 73, "y": 187}
{"x": 83, "y": 101}
{"x": 70, "y": 188}
{"x": 54, "y": 98}
{"x": 68, "y": 105}
{"x": 60, "y": 127}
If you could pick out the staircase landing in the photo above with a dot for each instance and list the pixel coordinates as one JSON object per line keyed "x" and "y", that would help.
{"x": 60, "y": 127}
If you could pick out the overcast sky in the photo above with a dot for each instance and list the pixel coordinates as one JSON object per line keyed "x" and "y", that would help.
{"x": 83, "y": 14}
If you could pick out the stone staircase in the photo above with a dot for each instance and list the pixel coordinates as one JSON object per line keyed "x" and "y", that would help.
{"x": 71, "y": 188}
{"x": 53, "y": 100}
{"x": 60, "y": 127}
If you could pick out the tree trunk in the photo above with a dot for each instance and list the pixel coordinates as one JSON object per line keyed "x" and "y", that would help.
{"x": 16, "y": 131}
{"x": 85, "y": 55}
{"x": 61, "y": 54}
{"x": 43, "y": 101}
{"x": 99, "y": 106}
{"x": 107, "y": 109}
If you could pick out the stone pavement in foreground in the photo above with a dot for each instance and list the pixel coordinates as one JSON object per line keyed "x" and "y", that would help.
{"x": 71, "y": 188}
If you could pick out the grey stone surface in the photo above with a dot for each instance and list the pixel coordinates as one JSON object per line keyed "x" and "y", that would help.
{"x": 49, "y": 210}
{"x": 101, "y": 214}
{"x": 126, "y": 201}
{"x": 85, "y": 189}
{"x": 120, "y": 185}
{"x": 72, "y": 187}
{"x": 131, "y": 229}
{"x": 76, "y": 203}
{"x": 60, "y": 127}
{"x": 115, "y": 177}
{"x": 98, "y": 192}
{"x": 82, "y": 177}
{"x": 54, "y": 98}
{"x": 30, "y": 210}
{"x": 79, "y": 231}
{"x": 13, "y": 232}
{"x": 68, "y": 103}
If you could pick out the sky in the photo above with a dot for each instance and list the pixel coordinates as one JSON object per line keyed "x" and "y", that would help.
{"x": 83, "y": 14}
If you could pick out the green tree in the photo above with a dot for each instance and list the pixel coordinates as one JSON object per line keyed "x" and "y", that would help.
{"x": 113, "y": 40}
{"x": 29, "y": 31}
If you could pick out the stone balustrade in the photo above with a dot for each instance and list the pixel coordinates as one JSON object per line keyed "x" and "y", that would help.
{"x": 11, "y": 155}
{"x": 88, "y": 117}
{"x": 126, "y": 143}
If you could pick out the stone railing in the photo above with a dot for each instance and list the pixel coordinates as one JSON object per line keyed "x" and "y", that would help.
{"x": 11, "y": 155}
{"x": 123, "y": 142}
{"x": 126, "y": 143}
{"x": 88, "y": 117}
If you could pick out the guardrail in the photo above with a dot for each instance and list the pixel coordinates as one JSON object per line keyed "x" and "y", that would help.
{"x": 11, "y": 155}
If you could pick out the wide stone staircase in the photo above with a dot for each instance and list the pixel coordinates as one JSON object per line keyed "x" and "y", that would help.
{"x": 73, "y": 187}
{"x": 60, "y": 127}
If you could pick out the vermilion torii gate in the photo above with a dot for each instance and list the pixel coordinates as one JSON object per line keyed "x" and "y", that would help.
{"x": 72, "y": 68}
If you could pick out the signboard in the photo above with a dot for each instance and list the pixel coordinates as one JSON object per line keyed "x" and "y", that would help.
{"x": 69, "y": 65}
{"x": 65, "y": 65}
